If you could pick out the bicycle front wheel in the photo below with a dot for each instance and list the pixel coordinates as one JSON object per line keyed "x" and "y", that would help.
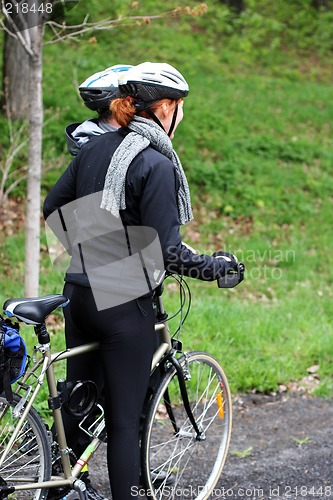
{"x": 175, "y": 463}
{"x": 29, "y": 458}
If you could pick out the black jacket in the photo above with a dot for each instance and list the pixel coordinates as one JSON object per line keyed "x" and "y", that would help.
{"x": 151, "y": 200}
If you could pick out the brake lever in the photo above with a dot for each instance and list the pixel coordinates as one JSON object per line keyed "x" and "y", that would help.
{"x": 233, "y": 278}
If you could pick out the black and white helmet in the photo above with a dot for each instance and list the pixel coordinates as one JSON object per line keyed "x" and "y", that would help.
{"x": 101, "y": 88}
{"x": 148, "y": 82}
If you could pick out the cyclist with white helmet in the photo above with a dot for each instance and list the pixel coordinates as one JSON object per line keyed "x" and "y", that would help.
{"x": 97, "y": 92}
{"x": 139, "y": 183}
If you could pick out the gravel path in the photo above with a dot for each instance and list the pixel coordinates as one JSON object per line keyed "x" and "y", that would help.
{"x": 281, "y": 448}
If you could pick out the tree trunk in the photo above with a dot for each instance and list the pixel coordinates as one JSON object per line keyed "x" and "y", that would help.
{"x": 322, "y": 4}
{"x": 236, "y": 5}
{"x": 32, "y": 243}
{"x": 15, "y": 78}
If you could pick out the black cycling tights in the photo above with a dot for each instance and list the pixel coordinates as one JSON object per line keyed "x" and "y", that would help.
{"x": 121, "y": 368}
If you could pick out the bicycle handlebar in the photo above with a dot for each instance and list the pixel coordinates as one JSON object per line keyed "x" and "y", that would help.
{"x": 233, "y": 277}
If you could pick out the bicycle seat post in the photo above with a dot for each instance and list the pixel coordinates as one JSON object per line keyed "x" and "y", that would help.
{"x": 54, "y": 399}
{"x": 42, "y": 334}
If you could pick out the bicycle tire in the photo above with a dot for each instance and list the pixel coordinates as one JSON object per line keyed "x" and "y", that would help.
{"x": 175, "y": 464}
{"x": 29, "y": 459}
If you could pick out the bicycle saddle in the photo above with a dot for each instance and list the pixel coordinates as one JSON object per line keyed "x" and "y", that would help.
{"x": 33, "y": 311}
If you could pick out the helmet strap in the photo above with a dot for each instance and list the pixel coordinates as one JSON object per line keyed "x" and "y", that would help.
{"x": 156, "y": 120}
{"x": 174, "y": 118}
{"x": 154, "y": 117}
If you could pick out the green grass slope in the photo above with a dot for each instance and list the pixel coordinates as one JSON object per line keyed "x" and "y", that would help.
{"x": 256, "y": 143}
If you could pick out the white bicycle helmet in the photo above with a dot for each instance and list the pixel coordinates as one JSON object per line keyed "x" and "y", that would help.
{"x": 100, "y": 88}
{"x": 148, "y": 82}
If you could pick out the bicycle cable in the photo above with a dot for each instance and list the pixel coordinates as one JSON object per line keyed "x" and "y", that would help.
{"x": 184, "y": 296}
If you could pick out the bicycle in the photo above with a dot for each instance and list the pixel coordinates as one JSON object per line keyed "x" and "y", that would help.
{"x": 189, "y": 414}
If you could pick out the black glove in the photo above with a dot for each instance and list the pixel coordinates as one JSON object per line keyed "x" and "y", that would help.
{"x": 233, "y": 271}
{"x": 230, "y": 260}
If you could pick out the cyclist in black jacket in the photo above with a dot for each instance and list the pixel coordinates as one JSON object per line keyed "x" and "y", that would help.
{"x": 97, "y": 91}
{"x": 129, "y": 195}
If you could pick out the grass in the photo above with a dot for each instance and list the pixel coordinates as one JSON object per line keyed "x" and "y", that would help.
{"x": 256, "y": 143}
{"x": 242, "y": 454}
{"x": 261, "y": 341}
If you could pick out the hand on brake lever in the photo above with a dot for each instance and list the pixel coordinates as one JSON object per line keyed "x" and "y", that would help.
{"x": 233, "y": 270}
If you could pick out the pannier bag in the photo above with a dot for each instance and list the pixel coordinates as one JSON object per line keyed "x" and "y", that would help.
{"x": 13, "y": 356}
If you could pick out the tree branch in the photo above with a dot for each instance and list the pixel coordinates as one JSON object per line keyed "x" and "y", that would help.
{"x": 16, "y": 33}
{"x": 62, "y": 31}
{"x": 17, "y": 142}
{"x": 14, "y": 184}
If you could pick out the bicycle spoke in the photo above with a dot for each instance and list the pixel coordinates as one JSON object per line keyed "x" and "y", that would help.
{"x": 172, "y": 454}
{"x": 29, "y": 458}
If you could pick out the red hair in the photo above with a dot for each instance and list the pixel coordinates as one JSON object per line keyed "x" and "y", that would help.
{"x": 123, "y": 109}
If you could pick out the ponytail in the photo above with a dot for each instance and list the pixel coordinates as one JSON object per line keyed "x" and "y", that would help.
{"x": 123, "y": 110}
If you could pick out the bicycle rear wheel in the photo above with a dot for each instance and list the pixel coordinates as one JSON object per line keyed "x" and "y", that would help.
{"x": 29, "y": 459}
{"x": 175, "y": 464}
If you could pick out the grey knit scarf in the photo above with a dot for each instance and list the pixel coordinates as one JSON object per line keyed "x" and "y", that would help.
{"x": 143, "y": 133}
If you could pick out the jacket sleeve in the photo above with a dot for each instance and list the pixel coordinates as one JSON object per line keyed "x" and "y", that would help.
{"x": 58, "y": 211}
{"x": 158, "y": 209}
{"x": 63, "y": 192}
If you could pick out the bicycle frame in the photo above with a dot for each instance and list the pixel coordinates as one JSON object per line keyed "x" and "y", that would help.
{"x": 46, "y": 367}
{"x": 165, "y": 356}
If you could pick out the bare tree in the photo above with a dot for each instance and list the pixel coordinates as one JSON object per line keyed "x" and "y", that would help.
{"x": 32, "y": 233}
{"x": 15, "y": 78}
{"x": 27, "y": 28}
{"x": 16, "y": 64}
{"x": 11, "y": 176}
